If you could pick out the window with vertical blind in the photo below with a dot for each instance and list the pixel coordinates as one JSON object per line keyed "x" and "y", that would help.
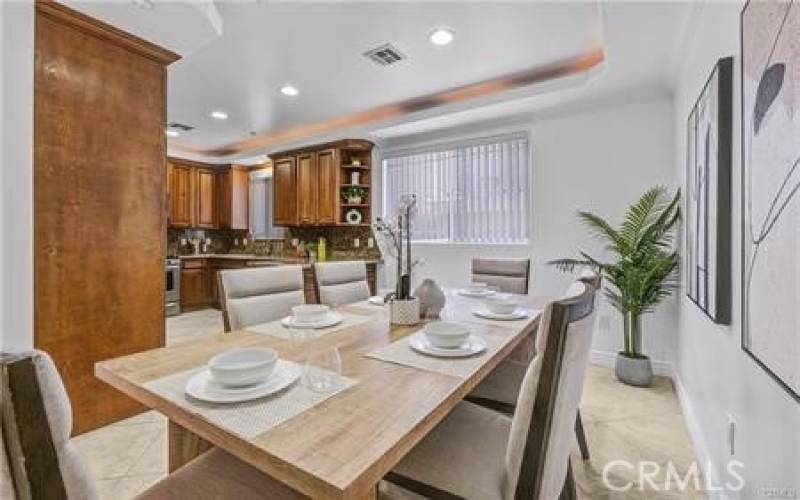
{"x": 261, "y": 226}
{"x": 470, "y": 192}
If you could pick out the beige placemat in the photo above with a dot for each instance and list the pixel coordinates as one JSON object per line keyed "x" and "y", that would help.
{"x": 251, "y": 418}
{"x": 470, "y": 317}
{"x": 401, "y": 353}
{"x": 276, "y": 328}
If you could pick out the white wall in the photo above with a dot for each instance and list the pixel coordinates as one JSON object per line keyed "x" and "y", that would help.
{"x": 715, "y": 376}
{"x": 601, "y": 160}
{"x": 16, "y": 183}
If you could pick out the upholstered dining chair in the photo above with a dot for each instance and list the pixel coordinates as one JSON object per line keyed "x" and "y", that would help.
{"x": 508, "y": 275}
{"x": 478, "y": 453}
{"x": 38, "y": 460}
{"x": 259, "y": 295}
{"x": 500, "y": 389}
{"x": 341, "y": 282}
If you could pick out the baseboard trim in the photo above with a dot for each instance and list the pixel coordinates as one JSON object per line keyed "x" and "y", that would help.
{"x": 607, "y": 359}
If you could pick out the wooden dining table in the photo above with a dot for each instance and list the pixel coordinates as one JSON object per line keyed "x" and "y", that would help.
{"x": 341, "y": 447}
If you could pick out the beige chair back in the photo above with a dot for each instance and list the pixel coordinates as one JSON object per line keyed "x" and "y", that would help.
{"x": 508, "y": 275}
{"x": 537, "y": 458}
{"x": 259, "y": 295}
{"x": 341, "y": 283}
{"x": 36, "y": 428}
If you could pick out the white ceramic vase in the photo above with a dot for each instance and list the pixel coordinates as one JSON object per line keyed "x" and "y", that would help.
{"x": 404, "y": 312}
{"x": 431, "y": 298}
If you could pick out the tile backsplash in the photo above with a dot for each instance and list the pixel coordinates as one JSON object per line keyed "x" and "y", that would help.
{"x": 340, "y": 242}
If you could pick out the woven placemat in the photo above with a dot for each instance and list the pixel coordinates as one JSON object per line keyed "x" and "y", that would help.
{"x": 399, "y": 352}
{"x": 276, "y": 328}
{"x": 251, "y": 418}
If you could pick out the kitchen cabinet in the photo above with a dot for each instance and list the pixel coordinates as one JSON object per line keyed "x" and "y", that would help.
{"x": 180, "y": 195}
{"x": 233, "y": 195}
{"x": 194, "y": 284}
{"x": 205, "y": 198}
{"x": 309, "y": 183}
{"x": 327, "y": 176}
{"x": 284, "y": 181}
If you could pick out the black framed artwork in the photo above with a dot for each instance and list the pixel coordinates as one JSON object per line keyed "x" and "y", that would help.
{"x": 708, "y": 195}
{"x": 770, "y": 80}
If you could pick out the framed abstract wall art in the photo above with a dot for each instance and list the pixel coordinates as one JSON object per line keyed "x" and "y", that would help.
{"x": 708, "y": 195}
{"x": 770, "y": 184}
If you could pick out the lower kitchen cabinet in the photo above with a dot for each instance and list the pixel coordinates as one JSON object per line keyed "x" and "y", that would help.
{"x": 194, "y": 285}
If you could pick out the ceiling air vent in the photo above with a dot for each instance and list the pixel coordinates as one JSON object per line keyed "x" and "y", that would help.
{"x": 180, "y": 126}
{"x": 384, "y": 55}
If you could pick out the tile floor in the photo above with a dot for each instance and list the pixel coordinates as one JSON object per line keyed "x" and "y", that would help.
{"x": 621, "y": 423}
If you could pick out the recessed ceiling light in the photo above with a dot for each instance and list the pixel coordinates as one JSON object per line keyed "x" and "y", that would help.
{"x": 172, "y": 133}
{"x": 289, "y": 90}
{"x": 219, "y": 115}
{"x": 441, "y": 36}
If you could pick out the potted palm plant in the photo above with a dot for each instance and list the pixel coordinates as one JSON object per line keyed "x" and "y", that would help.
{"x": 642, "y": 273}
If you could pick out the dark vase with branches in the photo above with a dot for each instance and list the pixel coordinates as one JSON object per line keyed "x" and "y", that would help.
{"x": 641, "y": 275}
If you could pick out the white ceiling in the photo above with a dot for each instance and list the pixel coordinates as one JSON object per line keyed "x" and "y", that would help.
{"x": 318, "y": 48}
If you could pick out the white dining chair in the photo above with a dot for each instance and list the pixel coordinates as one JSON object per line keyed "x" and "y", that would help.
{"x": 341, "y": 283}
{"x": 478, "y": 453}
{"x": 38, "y": 460}
{"x": 508, "y": 275}
{"x": 259, "y": 295}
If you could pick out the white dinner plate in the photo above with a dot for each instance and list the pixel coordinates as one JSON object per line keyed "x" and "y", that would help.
{"x": 487, "y": 314}
{"x": 377, "y": 300}
{"x": 331, "y": 319}
{"x": 201, "y": 386}
{"x": 470, "y": 293}
{"x": 472, "y": 346}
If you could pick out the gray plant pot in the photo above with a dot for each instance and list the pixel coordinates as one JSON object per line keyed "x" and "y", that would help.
{"x": 634, "y": 371}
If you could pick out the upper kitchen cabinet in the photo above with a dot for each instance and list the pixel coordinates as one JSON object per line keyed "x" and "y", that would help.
{"x": 325, "y": 185}
{"x": 233, "y": 199}
{"x": 206, "y": 198}
{"x": 307, "y": 189}
{"x": 179, "y": 183}
{"x": 284, "y": 180}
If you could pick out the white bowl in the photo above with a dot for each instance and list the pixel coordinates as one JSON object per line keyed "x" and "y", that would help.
{"x": 501, "y": 305}
{"x": 310, "y": 313}
{"x": 446, "y": 334}
{"x": 242, "y": 366}
{"x": 477, "y": 287}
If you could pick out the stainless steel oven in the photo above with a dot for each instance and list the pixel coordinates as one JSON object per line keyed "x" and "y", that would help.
{"x": 172, "y": 295}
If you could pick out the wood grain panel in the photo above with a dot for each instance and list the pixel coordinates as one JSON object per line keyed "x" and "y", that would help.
{"x": 233, "y": 196}
{"x": 180, "y": 195}
{"x": 328, "y": 188}
{"x": 284, "y": 182}
{"x": 99, "y": 202}
{"x": 307, "y": 184}
{"x": 205, "y": 198}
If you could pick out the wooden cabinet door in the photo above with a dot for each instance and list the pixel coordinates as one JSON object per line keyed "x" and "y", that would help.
{"x": 307, "y": 182}
{"x": 233, "y": 195}
{"x": 205, "y": 196}
{"x": 284, "y": 200}
{"x": 180, "y": 192}
{"x": 328, "y": 187}
{"x": 194, "y": 288}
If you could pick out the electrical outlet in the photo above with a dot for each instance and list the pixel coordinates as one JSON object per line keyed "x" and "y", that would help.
{"x": 244, "y": 242}
{"x": 731, "y": 434}
{"x": 370, "y": 242}
{"x": 295, "y": 242}
{"x": 236, "y": 242}
{"x": 356, "y": 242}
{"x": 605, "y": 322}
